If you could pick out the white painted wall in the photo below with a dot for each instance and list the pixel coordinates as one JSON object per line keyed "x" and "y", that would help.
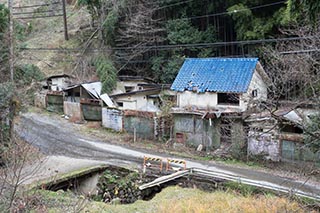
{"x": 120, "y": 87}
{"x": 112, "y": 118}
{"x": 200, "y": 100}
{"x": 138, "y": 102}
{"x": 258, "y": 84}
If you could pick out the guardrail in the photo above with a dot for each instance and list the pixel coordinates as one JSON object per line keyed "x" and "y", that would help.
{"x": 229, "y": 177}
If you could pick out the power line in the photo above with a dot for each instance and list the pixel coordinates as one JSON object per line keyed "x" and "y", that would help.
{"x": 167, "y": 6}
{"x": 174, "y": 4}
{"x": 299, "y": 51}
{"x": 177, "y": 46}
{"x": 216, "y": 43}
{"x": 34, "y": 12}
{"x": 161, "y": 2}
{"x": 209, "y": 15}
{"x": 227, "y": 13}
{"x": 35, "y": 17}
{"x": 36, "y": 5}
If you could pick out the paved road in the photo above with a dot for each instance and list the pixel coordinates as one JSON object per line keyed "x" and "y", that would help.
{"x": 54, "y": 136}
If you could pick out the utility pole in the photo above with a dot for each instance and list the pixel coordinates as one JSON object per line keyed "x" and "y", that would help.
{"x": 66, "y": 37}
{"x": 11, "y": 47}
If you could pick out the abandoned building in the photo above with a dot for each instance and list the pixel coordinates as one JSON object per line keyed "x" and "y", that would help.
{"x": 139, "y": 111}
{"x": 52, "y": 99}
{"x": 278, "y": 135}
{"x": 212, "y": 93}
{"x": 127, "y": 84}
{"x": 85, "y": 101}
{"x": 59, "y": 82}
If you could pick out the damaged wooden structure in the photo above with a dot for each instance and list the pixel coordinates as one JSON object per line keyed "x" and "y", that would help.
{"x": 85, "y": 101}
{"x": 278, "y": 135}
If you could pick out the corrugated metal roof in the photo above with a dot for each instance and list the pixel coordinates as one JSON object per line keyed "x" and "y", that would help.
{"x": 215, "y": 74}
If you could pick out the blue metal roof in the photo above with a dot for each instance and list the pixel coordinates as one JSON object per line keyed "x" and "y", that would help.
{"x": 215, "y": 74}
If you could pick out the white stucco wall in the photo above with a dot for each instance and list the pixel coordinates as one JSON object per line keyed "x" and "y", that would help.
{"x": 258, "y": 84}
{"x": 59, "y": 83}
{"x": 137, "y": 102}
{"x": 120, "y": 87}
{"x": 201, "y": 100}
{"x": 189, "y": 99}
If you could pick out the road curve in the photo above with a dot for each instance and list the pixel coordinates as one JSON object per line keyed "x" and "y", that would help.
{"x": 54, "y": 136}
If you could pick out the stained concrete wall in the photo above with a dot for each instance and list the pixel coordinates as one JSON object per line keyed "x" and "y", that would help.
{"x": 112, "y": 119}
{"x": 73, "y": 110}
{"x": 196, "y": 131}
{"x": 264, "y": 144}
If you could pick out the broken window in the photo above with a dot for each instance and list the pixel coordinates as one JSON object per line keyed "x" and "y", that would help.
{"x": 225, "y": 130}
{"x": 228, "y": 98}
{"x": 290, "y": 128}
{"x": 120, "y": 104}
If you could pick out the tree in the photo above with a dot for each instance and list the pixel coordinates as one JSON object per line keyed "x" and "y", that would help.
{"x": 295, "y": 75}
{"x": 107, "y": 73}
{"x": 3, "y": 42}
{"x": 139, "y": 30}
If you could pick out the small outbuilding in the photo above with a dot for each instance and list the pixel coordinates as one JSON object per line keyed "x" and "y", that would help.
{"x": 59, "y": 82}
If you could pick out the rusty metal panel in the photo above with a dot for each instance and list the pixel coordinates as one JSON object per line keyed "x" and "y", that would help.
{"x": 144, "y": 126}
{"x": 91, "y": 112}
{"x": 55, "y": 103}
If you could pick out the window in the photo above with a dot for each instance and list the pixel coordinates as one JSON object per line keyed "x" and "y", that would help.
{"x": 290, "y": 128}
{"x": 120, "y": 104}
{"x": 228, "y": 99}
{"x": 254, "y": 93}
{"x": 129, "y": 89}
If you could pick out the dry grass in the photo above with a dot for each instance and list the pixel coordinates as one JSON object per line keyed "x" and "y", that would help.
{"x": 181, "y": 200}
{"x": 202, "y": 202}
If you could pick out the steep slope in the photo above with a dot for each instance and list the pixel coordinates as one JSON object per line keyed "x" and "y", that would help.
{"x": 40, "y": 41}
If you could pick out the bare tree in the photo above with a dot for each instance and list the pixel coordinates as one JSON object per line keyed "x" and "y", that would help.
{"x": 138, "y": 30}
{"x": 16, "y": 156}
{"x": 294, "y": 65}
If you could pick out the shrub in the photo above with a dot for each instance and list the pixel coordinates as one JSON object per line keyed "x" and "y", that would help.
{"x": 26, "y": 73}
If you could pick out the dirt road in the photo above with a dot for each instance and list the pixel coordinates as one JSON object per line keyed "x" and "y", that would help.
{"x": 56, "y": 137}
